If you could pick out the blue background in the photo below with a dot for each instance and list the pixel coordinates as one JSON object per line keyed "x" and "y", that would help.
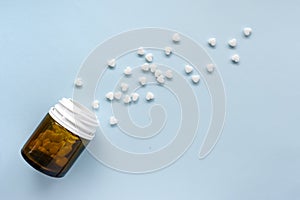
{"x": 43, "y": 43}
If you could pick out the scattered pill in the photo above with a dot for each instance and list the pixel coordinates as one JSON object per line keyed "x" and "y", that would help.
{"x": 124, "y": 87}
{"x": 140, "y": 51}
{"x": 135, "y": 96}
{"x": 212, "y": 42}
{"x": 113, "y": 120}
{"x": 149, "y": 96}
{"x": 110, "y": 96}
{"x": 195, "y": 78}
{"x": 210, "y": 67}
{"x": 157, "y": 73}
{"x": 127, "y": 99}
{"x": 160, "y": 79}
{"x": 111, "y": 63}
{"x": 118, "y": 95}
{"x": 145, "y": 67}
{"x": 78, "y": 82}
{"x": 127, "y": 71}
{"x": 153, "y": 68}
{"x": 188, "y": 69}
{"x": 232, "y": 42}
{"x": 149, "y": 57}
{"x": 169, "y": 74}
{"x": 176, "y": 37}
{"x": 168, "y": 51}
{"x": 143, "y": 80}
{"x": 247, "y": 31}
{"x": 95, "y": 104}
{"x": 235, "y": 58}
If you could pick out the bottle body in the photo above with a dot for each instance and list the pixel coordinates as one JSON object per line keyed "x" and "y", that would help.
{"x": 60, "y": 138}
{"x": 52, "y": 149}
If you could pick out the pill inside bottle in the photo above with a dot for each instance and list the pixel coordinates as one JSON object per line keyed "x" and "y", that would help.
{"x": 60, "y": 138}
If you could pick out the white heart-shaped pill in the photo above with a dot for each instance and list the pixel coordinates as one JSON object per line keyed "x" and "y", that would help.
{"x": 149, "y": 96}
{"x": 110, "y": 96}
{"x": 95, "y": 104}
{"x": 143, "y": 80}
{"x": 127, "y": 71}
{"x": 111, "y": 63}
{"x": 169, "y": 74}
{"x": 140, "y": 51}
{"x": 195, "y": 78}
{"x": 145, "y": 67}
{"x": 135, "y": 96}
{"x": 210, "y": 67}
{"x": 212, "y": 42}
{"x": 124, "y": 87}
{"x": 235, "y": 58}
{"x": 149, "y": 57}
{"x": 127, "y": 99}
{"x": 153, "y": 68}
{"x": 113, "y": 120}
{"x": 232, "y": 43}
{"x": 188, "y": 69}
{"x": 247, "y": 31}
{"x": 168, "y": 51}
{"x": 78, "y": 82}
{"x": 176, "y": 37}
{"x": 157, "y": 73}
{"x": 118, "y": 95}
{"x": 160, "y": 79}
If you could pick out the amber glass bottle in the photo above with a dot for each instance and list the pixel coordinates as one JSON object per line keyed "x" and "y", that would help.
{"x": 60, "y": 138}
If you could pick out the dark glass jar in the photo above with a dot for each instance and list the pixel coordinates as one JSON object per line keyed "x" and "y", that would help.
{"x": 60, "y": 138}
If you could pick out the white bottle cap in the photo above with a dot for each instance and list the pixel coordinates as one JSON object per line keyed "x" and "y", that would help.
{"x": 75, "y": 117}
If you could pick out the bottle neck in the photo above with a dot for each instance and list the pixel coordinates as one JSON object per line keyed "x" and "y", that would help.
{"x": 75, "y": 117}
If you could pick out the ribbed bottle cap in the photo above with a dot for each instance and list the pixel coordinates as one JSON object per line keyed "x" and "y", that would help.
{"x": 75, "y": 117}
